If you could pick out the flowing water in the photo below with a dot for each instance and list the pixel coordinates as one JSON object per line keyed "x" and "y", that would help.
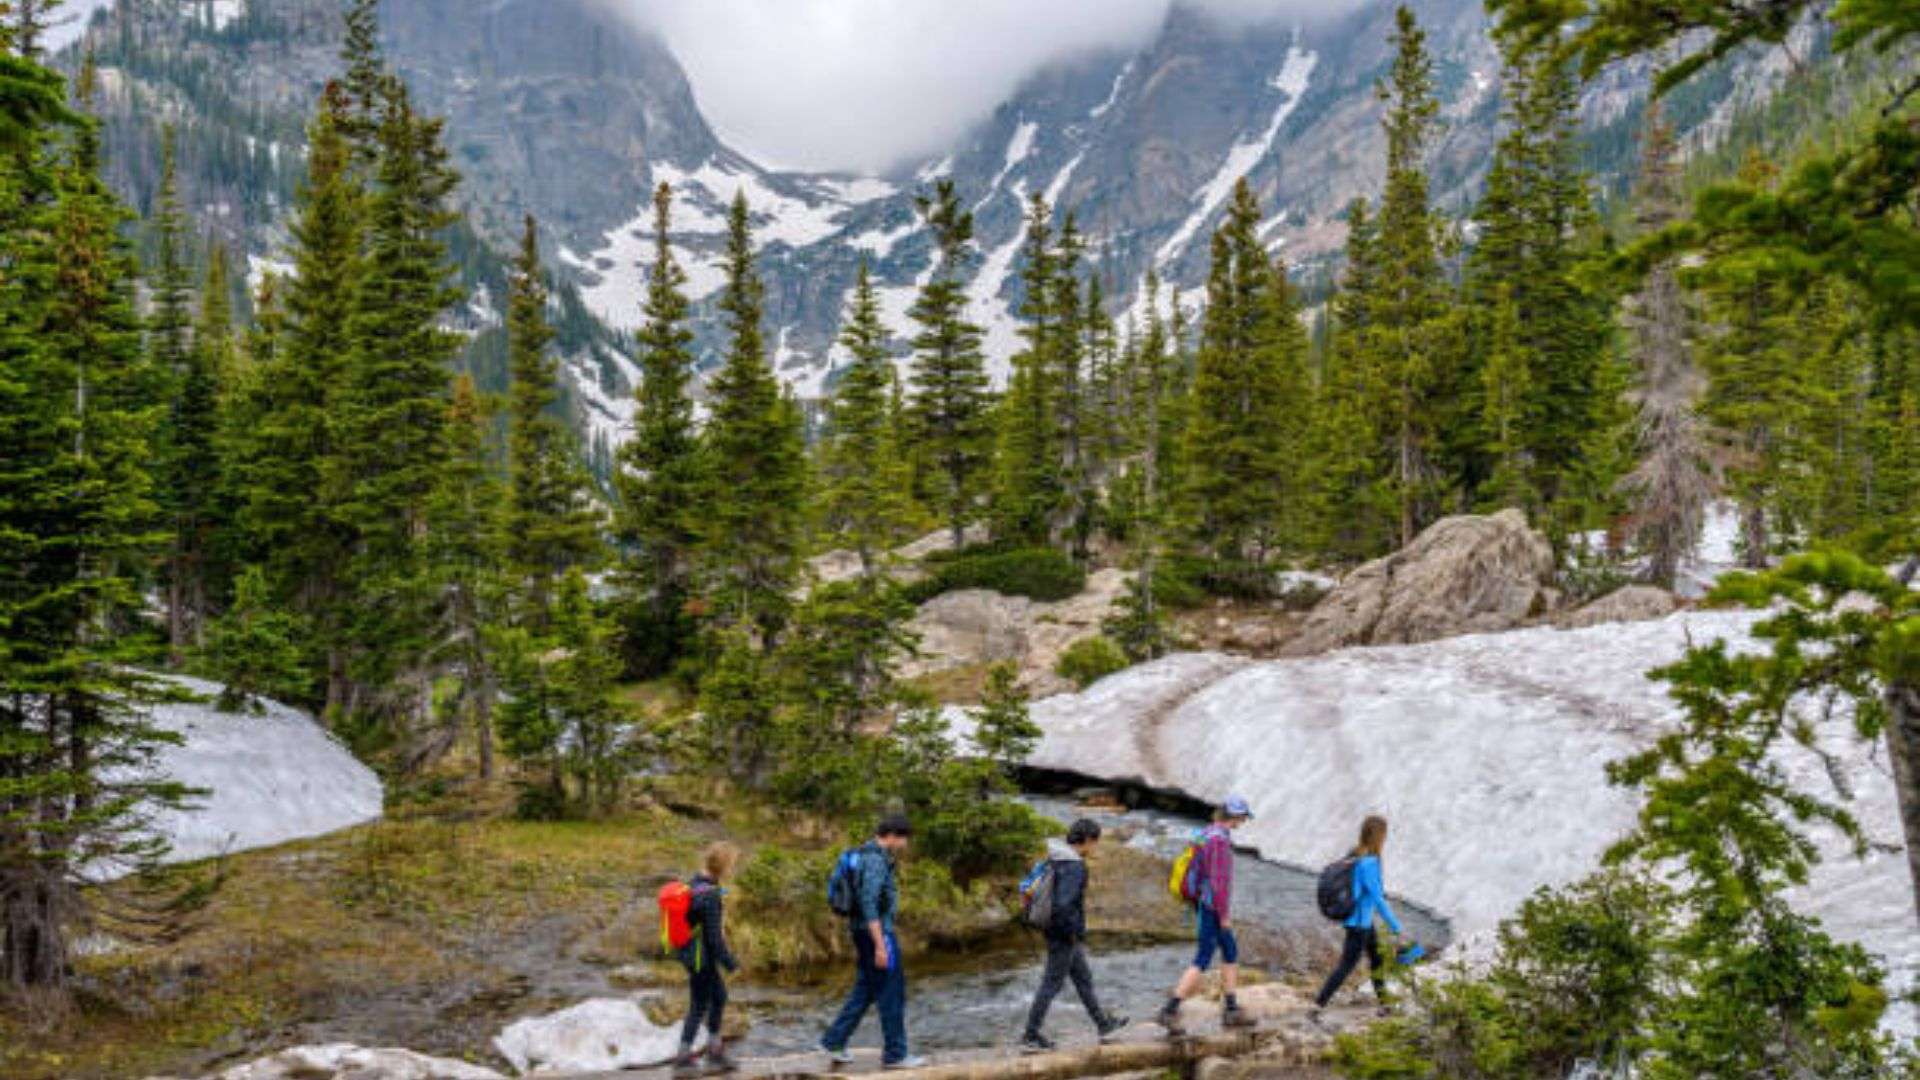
{"x": 979, "y": 997}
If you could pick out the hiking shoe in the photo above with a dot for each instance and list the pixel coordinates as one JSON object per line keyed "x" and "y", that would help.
{"x": 688, "y": 1064}
{"x": 1111, "y": 1026}
{"x": 1036, "y": 1043}
{"x": 842, "y": 1056}
{"x": 1233, "y": 1016}
{"x": 1317, "y": 1016}
{"x": 911, "y": 1061}
{"x": 719, "y": 1060}
{"x": 1169, "y": 1018}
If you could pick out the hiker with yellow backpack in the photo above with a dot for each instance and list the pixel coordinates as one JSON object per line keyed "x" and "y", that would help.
{"x": 693, "y": 929}
{"x": 1203, "y": 879}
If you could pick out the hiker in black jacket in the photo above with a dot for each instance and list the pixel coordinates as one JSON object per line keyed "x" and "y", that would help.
{"x": 706, "y": 957}
{"x": 1066, "y": 933}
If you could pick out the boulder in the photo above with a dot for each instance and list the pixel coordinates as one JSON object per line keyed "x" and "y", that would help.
{"x": 345, "y": 1061}
{"x": 600, "y": 1035}
{"x": 1463, "y": 575}
{"x": 1633, "y": 603}
{"x": 972, "y": 627}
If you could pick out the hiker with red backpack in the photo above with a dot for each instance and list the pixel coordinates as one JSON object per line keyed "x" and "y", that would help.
{"x": 1205, "y": 880}
{"x": 693, "y": 928}
{"x": 1352, "y": 893}
{"x": 1054, "y": 901}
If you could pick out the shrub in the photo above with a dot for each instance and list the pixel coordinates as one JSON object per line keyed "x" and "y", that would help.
{"x": 1089, "y": 660}
{"x": 1035, "y": 573}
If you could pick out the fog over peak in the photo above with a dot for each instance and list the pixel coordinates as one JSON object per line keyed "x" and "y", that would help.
{"x": 863, "y": 85}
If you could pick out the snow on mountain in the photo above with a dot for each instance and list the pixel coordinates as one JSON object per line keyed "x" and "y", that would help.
{"x": 1487, "y": 753}
{"x": 270, "y": 778}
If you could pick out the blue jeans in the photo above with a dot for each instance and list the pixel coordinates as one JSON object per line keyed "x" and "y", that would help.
{"x": 874, "y": 986}
{"x": 1212, "y": 937}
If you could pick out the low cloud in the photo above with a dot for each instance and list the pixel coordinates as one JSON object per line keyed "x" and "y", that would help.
{"x": 866, "y": 84}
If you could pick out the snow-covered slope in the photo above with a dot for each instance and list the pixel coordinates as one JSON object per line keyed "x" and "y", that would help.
{"x": 270, "y": 778}
{"x": 1487, "y": 753}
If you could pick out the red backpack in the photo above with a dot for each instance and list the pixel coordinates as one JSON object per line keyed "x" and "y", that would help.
{"x": 676, "y": 899}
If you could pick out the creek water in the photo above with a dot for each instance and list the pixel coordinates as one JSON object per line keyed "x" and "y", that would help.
{"x": 979, "y": 996}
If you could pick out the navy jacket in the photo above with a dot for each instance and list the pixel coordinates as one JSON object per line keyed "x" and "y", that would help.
{"x": 1069, "y": 922}
{"x": 706, "y": 914}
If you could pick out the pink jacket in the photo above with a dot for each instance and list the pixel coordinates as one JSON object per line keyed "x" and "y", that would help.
{"x": 1216, "y": 871}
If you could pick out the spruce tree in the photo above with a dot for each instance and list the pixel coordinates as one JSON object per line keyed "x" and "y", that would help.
{"x": 1673, "y": 479}
{"x": 467, "y": 556}
{"x": 657, "y": 477}
{"x": 552, "y": 525}
{"x": 864, "y": 483}
{"x": 254, "y": 648}
{"x": 1353, "y": 512}
{"x": 1506, "y": 377}
{"x": 754, "y": 464}
{"x": 950, "y": 393}
{"x": 1027, "y": 489}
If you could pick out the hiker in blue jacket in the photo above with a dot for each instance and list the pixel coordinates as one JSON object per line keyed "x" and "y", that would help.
{"x": 880, "y": 979}
{"x": 705, "y": 958}
{"x": 1066, "y": 934}
{"x": 1369, "y": 904}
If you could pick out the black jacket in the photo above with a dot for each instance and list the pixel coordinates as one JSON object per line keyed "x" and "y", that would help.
{"x": 1069, "y": 922}
{"x": 706, "y": 914}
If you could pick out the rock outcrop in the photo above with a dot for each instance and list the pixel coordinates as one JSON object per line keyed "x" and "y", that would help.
{"x": 1633, "y": 603}
{"x": 971, "y": 627}
{"x": 1463, "y": 575}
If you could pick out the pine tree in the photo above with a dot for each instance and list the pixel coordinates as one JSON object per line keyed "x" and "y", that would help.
{"x": 188, "y": 477}
{"x": 950, "y": 394}
{"x": 863, "y": 474}
{"x": 364, "y": 82}
{"x": 1673, "y": 480}
{"x": 552, "y": 525}
{"x": 1353, "y": 512}
{"x": 1028, "y": 491}
{"x": 76, "y": 418}
{"x": 1506, "y": 376}
{"x": 467, "y": 556}
{"x": 754, "y": 464}
{"x": 254, "y": 648}
{"x": 1243, "y": 495}
{"x": 658, "y": 474}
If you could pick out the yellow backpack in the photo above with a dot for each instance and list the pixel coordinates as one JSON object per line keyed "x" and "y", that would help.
{"x": 1184, "y": 881}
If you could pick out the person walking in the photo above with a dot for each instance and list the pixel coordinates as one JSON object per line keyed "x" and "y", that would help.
{"x": 1213, "y": 871}
{"x": 880, "y": 978}
{"x": 707, "y": 957}
{"x": 1369, "y": 905}
{"x": 1066, "y": 936}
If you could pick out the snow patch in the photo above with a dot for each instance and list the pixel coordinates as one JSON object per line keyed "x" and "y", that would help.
{"x": 857, "y": 189}
{"x": 880, "y": 242}
{"x": 1018, "y": 147}
{"x": 259, "y": 266}
{"x": 1487, "y": 752}
{"x": 1113, "y": 95}
{"x": 988, "y": 308}
{"x": 1291, "y": 81}
{"x": 270, "y": 778}
{"x": 348, "y": 1060}
{"x": 1059, "y": 182}
{"x": 599, "y": 1035}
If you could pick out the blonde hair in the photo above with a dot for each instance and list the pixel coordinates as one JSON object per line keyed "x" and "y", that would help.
{"x": 720, "y": 860}
{"x": 1373, "y": 836}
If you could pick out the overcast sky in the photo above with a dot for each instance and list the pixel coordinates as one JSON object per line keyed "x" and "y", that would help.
{"x": 862, "y": 84}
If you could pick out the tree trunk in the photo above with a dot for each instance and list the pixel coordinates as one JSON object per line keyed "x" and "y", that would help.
{"x": 483, "y": 724}
{"x": 1903, "y": 749}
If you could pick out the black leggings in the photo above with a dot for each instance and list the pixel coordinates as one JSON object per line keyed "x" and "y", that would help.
{"x": 707, "y": 988}
{"x": 1358, "y": 941}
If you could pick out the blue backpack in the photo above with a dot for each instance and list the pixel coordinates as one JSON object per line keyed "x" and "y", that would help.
{"x": 1036, "y": 895}
{"x": 843, "y": 885}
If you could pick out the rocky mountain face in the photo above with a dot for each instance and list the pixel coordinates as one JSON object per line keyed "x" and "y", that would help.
{"x": 562, "y": 109}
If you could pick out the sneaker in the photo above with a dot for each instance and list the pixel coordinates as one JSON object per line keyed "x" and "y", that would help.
{"x": 1317, "y": 1016}
{"x": 1036, "y": 1043}
{"x": 718, "y": 1060}
{"x": 842, "y": 1056}
{"x": 688, "y": 1064}
{"x": 911, "y": 1061}
{"x": 1169, "y": 1018}
{"x": 1233, "y": 1016}
{"x": 1111, "y": 1026}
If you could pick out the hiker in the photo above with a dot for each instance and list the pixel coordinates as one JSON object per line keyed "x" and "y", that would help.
{"x": 706, "y": 957}
{"x": 1066, "y": 933}
{"x": 1212, "y": 871}
{"x": 880, "y": 979}
{"x": 1369, "y": 901}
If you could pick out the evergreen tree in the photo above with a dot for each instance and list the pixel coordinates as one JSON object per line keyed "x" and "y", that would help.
{"x": 1353, "y": 513}
{"x": 552, "y": 525}
{"x": 864, "y": 481}
{"x": 467, "y": 555}
{"x": 189, "y": 479}
{"x": 1028, "y": 490}
{"x": 950, "y": 394}
{"x": 1506, "y": 388}
{"x": 363, "y": 82}
{"x": 1242, "y": 498}
{"x": 658, "y": 473}
{"x": 254, "y": 648}
{"x": 76, "y": 506}
{"x": 754, "y": 464}
{"x": 1140, "y": 628}
{"x": 1673, "y": 480}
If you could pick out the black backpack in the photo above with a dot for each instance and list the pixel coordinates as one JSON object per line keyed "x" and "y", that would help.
{"x": 1336, "y": 890}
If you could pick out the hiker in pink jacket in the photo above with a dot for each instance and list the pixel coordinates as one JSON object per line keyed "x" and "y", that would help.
{"x": 1213, "y": 870}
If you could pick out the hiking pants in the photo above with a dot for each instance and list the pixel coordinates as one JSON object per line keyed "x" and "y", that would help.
{"x": 874, "y": 987}
{"x": 1359, "y": 940}
{"x": 707, "y": 1001}
{"x": 1066, "y": 959}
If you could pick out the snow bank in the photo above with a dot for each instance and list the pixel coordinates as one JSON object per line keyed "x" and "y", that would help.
{"x": 599, "y": 1035}
{"x": 271, "y": 778}
{"x": 1487, "y": 753}
{"x": 344, "y": 1061}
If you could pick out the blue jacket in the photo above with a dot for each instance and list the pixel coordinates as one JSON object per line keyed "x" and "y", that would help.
{"x": 879, "y": 897}
{"x": 1370, "y": 896}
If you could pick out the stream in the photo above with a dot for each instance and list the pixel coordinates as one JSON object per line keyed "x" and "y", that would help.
{"x": 979, "y": 997}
